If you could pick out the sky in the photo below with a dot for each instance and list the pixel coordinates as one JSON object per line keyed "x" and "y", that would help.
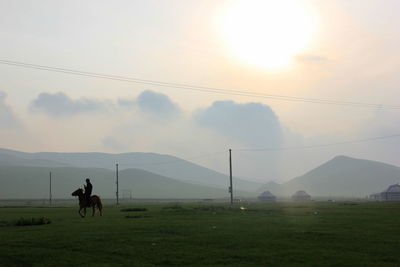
{"x": 340, "y": 50}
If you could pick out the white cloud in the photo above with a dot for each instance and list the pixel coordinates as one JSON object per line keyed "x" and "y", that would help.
{"x": 59, "y": 104}
{"x": 7, "y": 117}
{"x": 153, "y": 103}
{"x": 253, "y": 124}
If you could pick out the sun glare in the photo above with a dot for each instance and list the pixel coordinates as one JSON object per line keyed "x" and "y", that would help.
{"x": 268, "y": 33}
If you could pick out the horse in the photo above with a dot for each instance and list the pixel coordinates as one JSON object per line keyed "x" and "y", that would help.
{"x": 94, "y": 202}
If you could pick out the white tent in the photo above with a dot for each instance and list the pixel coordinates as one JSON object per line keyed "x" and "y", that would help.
{"x": 392, "y": 193}
{"x": 267, "y": 196}
{"x": 301, "y": 196}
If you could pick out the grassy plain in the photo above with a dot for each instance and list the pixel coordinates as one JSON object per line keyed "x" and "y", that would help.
{"x": 199, "y": 234}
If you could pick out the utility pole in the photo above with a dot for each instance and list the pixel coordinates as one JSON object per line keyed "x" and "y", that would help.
{"x": 116, "y": 170}
{"x": 230, "y": 175}
{"x": 50, "y": 195}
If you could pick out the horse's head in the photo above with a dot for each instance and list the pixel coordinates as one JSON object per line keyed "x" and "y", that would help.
{"x": 77, "y": 192}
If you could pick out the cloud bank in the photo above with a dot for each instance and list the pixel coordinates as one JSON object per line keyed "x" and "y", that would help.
{"x": 153, "y": 103}
{"x": 7, "y": 116}
{"x": 253, "y": 124}
{"x": 59, "y": 104}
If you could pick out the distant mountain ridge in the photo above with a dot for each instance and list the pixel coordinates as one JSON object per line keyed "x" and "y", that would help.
{"x": 11, "y": 160}
{"x": 164, "y": 165}
{"x": 341, "y": 176}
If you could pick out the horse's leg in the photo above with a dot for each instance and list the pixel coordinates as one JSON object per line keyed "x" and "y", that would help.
{"x": 93, "y": 208}
{"x": 84, "y": 212}
{"x": 79, "y": 211}
{"x": 99, "y": 206}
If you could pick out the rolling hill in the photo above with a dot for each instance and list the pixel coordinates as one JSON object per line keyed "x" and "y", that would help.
{"x": 11, "y": 160}
{"x": 164, "y": 165}
{"x": 342, "y": 177}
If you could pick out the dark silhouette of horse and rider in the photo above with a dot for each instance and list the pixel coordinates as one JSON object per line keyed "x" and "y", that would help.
{"x": 86, "y": 200}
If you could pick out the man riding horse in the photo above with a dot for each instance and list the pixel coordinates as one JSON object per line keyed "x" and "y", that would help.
{"x": 94, "y": 200}
{"x": 88, "y": 191}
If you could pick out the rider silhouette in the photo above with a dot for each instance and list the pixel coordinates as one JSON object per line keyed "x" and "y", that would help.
{"x": 88, "y": 191}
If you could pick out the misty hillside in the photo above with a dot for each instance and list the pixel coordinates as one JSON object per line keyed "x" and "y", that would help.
{"x": 33, "y": 182}
{"x": 341, "y": 176}
{"x": 164, "y": 165}
{"x": 11, "y": 160}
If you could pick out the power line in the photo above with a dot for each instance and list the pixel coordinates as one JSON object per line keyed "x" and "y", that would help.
{"x": 318, "y": 146}
{"x": 198, "y": 88}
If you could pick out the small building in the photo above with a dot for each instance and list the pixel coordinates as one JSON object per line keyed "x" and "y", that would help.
{"x": 267, "y": 196}
{"x": 391, "y": 194}
{"x": 301, "y": 196}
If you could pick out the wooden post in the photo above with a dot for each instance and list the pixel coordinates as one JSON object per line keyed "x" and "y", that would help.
{"x": 117, "y": 193}
{"x": 50, "y": 195}
{"x": 230, "y": 175}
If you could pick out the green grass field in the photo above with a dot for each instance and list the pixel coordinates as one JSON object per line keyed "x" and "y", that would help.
{"x": 198, "y": 234}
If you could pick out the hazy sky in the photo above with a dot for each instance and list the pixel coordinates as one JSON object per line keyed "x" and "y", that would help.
{"x": 343, "y": 50}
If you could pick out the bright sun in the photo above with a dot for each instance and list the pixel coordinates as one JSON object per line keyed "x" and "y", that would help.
{"x": 268, "y": 33}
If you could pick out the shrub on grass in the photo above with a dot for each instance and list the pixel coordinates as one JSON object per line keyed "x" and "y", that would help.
{"x": 133, "y": 209}
{"x": 173, "y": 207}
{"x": 136, "y": 216}
{"x": 211, "y": 208}
{"x": 32, "y": 221}
{"x": 349, "y": 203}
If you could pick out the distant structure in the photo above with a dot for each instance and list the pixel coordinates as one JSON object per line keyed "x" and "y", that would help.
{"x": 392, "y": 193}
{"x": 267, "y": 196}
{"x": 301, "y": 196}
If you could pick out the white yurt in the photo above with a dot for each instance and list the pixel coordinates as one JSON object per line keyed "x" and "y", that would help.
{"x": 392, "y": 193}
{"x": 267, "y": 196}
{"x": 301, "y": 195}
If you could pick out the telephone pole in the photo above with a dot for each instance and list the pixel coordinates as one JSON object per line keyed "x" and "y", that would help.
{"x": 116, "y": 172}
{"x": 50, "y": 195}
{"x": 230, "y": 175}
